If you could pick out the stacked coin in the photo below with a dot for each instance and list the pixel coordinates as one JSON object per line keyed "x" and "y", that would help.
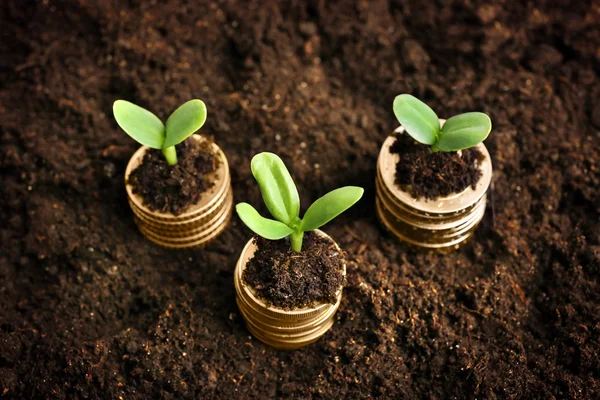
{"x": 279, "y": 328}
{"x": 200, "y": 223}
{"x": 444, "y": 223}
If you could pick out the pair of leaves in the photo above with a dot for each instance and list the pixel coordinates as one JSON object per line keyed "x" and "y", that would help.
{"x": 147, "y": 129}
{"x": 458, "y": 133}
{"x": 281, "y": 198}
{"x": 318, "y": 214}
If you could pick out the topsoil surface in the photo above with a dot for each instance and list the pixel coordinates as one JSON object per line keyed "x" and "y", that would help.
{"x": 90, "y": 309}
{"x": 431, "y": 175}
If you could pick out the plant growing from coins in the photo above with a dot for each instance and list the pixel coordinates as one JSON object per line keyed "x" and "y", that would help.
{"x": 458, "y": 133}
{"x": 281, "y": 198}
{"x": 148, "y": 130}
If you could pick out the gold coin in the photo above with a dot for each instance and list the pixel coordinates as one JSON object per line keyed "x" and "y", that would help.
{"x": 287, "y": 333}
{"x": 274, "y": 325}
{"x": 396, "y": 203}
{"x": 426, "y": 222}
{"x": 199, "y": 242}
{"x": 286, "y": 344}
{"x": 177, "y": 224}
{"x": 424, "y": 240}
{"x": 186, "y": 231}
{"x": 218, "y": 221}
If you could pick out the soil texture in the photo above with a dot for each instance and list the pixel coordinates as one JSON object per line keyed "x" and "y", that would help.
{"x": 288, "y": 279}
{"x": 174, "y": 188}
{"x": 89, "y": 309}
{"x": 432, "y": 175}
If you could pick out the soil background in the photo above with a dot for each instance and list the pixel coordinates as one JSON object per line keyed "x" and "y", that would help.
{"x": 89, "y": 309}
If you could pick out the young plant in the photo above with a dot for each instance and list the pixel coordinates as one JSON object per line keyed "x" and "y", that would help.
{"x": 148, "y": 130}
{"x": 281, "y": 197}
{"x": 459, "y": 132}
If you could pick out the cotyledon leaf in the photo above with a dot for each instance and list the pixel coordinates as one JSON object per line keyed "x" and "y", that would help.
{"x": 330, "y": 206}
{"x": 265, "y": 227}
{"x": 184, "y": 121}
{"x": 417, "y": 118}
{"x": 139, "y": 123}
{"x": 276, "y": 186}
{"x": 464, "y": 131}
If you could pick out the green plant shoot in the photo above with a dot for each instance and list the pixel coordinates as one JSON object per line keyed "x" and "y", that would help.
{"x": 281, "y": 197}
{"x": 421, "y": 122}
{"x": 148, "y": 130}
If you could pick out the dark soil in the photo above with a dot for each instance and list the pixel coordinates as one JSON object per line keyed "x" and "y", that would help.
{"x": 173, "y": 188}
{"x": 433, "y": 175}
{"x": 287, "y": 279}
{"x": 89, "y": 309}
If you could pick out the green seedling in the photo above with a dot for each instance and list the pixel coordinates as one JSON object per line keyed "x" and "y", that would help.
{"x": 148, "y": 130}
{"x": 281, "y": 197}
{"x": 421, "y": 122}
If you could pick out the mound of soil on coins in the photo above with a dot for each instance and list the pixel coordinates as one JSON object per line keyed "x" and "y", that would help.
{"x": 433, "y": 175}
{"x": 288, "y": 279}
{"x": 173, "y": 188}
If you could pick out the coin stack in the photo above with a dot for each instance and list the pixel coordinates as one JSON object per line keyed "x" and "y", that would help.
{"x": 200, "y": 224}
{"x": 441, "y": 224}
{"x": 276, "y": 327}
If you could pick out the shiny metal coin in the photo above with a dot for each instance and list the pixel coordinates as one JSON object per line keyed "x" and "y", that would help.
{"x": 200, "y": 238}
{"x": 291, "y": 344}
{"x": 275, "y": 326}
{"x": 186, "y": 232}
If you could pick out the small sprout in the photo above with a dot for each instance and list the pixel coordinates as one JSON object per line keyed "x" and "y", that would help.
{"x": 281, "y": 197}
{"x": 148, "y": 130}
{"x": 459, "y": 132}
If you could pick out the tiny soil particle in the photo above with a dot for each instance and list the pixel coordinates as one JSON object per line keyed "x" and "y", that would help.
{"x": 433, "y": 175}
{"x": 287, "y": 279}
{"x": 173, "y": 189}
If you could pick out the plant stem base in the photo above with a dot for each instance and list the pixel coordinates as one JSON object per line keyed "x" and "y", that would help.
{"x": 278, "y": 328}
{"x": 196, "y": 227}
{"x": 443, "y": 224}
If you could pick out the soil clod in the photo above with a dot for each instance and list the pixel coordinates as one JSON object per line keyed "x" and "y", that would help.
{"x": 173, "y": 188}
{"x": 288, "y": 279}
{"x": 432, "y": 175}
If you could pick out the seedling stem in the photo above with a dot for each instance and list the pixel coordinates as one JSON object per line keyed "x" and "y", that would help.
{"x": 170, "y": 155}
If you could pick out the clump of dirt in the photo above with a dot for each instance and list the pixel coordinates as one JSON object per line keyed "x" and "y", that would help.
{"x": 174, "y": 188}
{"x": 433, "y": 175}
{"x": 288, "y": 279}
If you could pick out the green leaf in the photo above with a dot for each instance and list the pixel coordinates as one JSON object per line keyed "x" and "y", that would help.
{"x": 276, "y": 186}
{"x": 267, "y": 228}
{"x": 464, "y": 131}
{"x": 184, "y": 121}
{"x": 330, "y": 206}
{"x": 417, "y": 118}
{"x": 139, "y": 123}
